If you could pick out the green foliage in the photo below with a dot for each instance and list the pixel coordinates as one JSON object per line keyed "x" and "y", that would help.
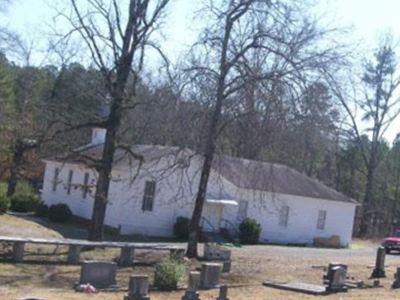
{"x": 59, "y": 213}
{"x": 4, "y": 203}
{"x": 24, "y": 202}
{"x": 41, "y": 210}
{"x": 249, "y": 231}
{"x": 168, "y": 274}
{"x": 181, "y": 228}
{"x": 3, "y": 188}
{"x": 24, "y": 199}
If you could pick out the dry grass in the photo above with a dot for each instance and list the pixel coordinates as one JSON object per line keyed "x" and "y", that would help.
{"x": 251, "y": 265}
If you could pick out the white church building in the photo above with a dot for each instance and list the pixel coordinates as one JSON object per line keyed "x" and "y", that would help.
{"x": 146, "y": 197}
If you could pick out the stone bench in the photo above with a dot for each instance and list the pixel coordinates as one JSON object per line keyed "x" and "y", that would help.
{"x": 75, "y": 247}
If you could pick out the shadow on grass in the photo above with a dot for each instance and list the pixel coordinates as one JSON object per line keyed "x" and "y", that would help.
{"x": 79, "y": 229}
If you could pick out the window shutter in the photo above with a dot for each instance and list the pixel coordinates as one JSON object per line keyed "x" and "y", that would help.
{"x": 85, "y": 185}
{"x": 70, "y": 175}
{"x": 148, "y": 196}
{"x": 55, "y": 178}
{"x": 321, "y": 219}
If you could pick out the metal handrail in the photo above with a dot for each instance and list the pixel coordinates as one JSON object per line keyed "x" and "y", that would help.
{"x": 233, "y": 227}
{"x": 204, "y": 219}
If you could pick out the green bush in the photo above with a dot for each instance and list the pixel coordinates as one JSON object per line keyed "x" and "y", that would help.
{"x": 3, "y": 188}
{"x": 181, "y": 228}
{"x": 249, "y": 231}
{"x": 59, "y": 213}
{"x": 41, "y": 210}
{"x": 168, "y": 274}
{"x": 24, "y": 199}
{"x": 4, "y": 203}
{"x": 24, "y": 202}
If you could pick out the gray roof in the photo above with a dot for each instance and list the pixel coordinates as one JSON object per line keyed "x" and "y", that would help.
{"x": 272, "y": 177}
{"x": 243, "y": 173}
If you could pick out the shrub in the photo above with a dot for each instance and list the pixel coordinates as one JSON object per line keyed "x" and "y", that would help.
{"x": 24, "y": 202}
{"x": 3, "y": 188}
{"x": 4, "y": 203}
{"x": 168, "y": 274}
{"x": 59, "y": 213}
{"x": 249, "y": 231}
{"x": 181, "y": 228}
{"x": 24, "y": 199}
{"x": 42, "y": 210}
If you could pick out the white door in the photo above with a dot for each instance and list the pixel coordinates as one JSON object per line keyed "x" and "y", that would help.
{"x": 242, "y": 210}
{"x": 212, "y": 215}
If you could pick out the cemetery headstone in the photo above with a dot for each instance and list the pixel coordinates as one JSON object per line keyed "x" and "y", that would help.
{"x": 226, "y": 266}
{"x": 329, "y": 273}
{"x": 127, "y": 256}
{"x": 193, "y": 285}
{"x": 210, "y": 273}
{"x": 396, "y": 282}
{"x": 99, "y": 274}
{"x": 379, "y": 270}
{"x": 18, "y": 251}
{"x": 337, "y": 279}
{"x": 138, "y": 288}
{"x": 223, "y": 293}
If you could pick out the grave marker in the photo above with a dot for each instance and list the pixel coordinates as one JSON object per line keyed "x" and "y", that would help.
{"x": 138, "y": 288}
{"x": 379, "y": 270}
{"x": 209, "y": 277}
{"x": 98, "y": 273}
{"x": 223, "y": 293}
{"x": 396, "y": 282}
{"x": 193, "y": 285}
{"x": 337, "y": 279}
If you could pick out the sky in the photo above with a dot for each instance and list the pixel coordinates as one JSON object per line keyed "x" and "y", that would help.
{"x": 368, "y": 19}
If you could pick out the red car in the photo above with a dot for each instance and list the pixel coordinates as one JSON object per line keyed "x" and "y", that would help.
{"x": 392, "y": 242}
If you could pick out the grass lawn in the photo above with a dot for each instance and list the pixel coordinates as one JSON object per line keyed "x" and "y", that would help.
{"x": 43, "y": 275}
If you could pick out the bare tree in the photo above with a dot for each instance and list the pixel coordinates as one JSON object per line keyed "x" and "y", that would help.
{"x": 272, "y": 31}
{"x": 375, "y": 96}
{"x": 118, "y": 51}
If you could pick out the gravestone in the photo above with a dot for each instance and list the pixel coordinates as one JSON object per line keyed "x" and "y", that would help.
{"x": 301, "y": 287}
{"x": 337, "y": 279}
{"x": 223, "y": 293}
{"x": 396, "y": 282}
{"x": 379, "y": 270}
{"x": 74, "y": 254}
{"x": 98, "y": 273}
{"x": 193, "y": 285}
{"x": 328, "y": 276}
{"x": 18, "y": 251}
{"x": 138, "y": 288}
{"x": 216, "y": 252}
{"x": 127, "y": 256}
{"x": 226, "y": 266}
{"x": 209, "y": 276}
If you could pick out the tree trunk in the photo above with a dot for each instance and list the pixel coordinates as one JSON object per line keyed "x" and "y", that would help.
{"x": 18, "y": 153}
{"x": 205, "y": 173}
{"x": 100, "y": 206}
{"x": 210, "y": 145}
{"x": 200, "y": 198}
{"x": 12, "y": 182}
{"x": 366, "y": 220}
{"x": 104, "y": 173}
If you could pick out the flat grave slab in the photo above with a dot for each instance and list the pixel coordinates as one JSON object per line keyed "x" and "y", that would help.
{"x": 306, "y": 288}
